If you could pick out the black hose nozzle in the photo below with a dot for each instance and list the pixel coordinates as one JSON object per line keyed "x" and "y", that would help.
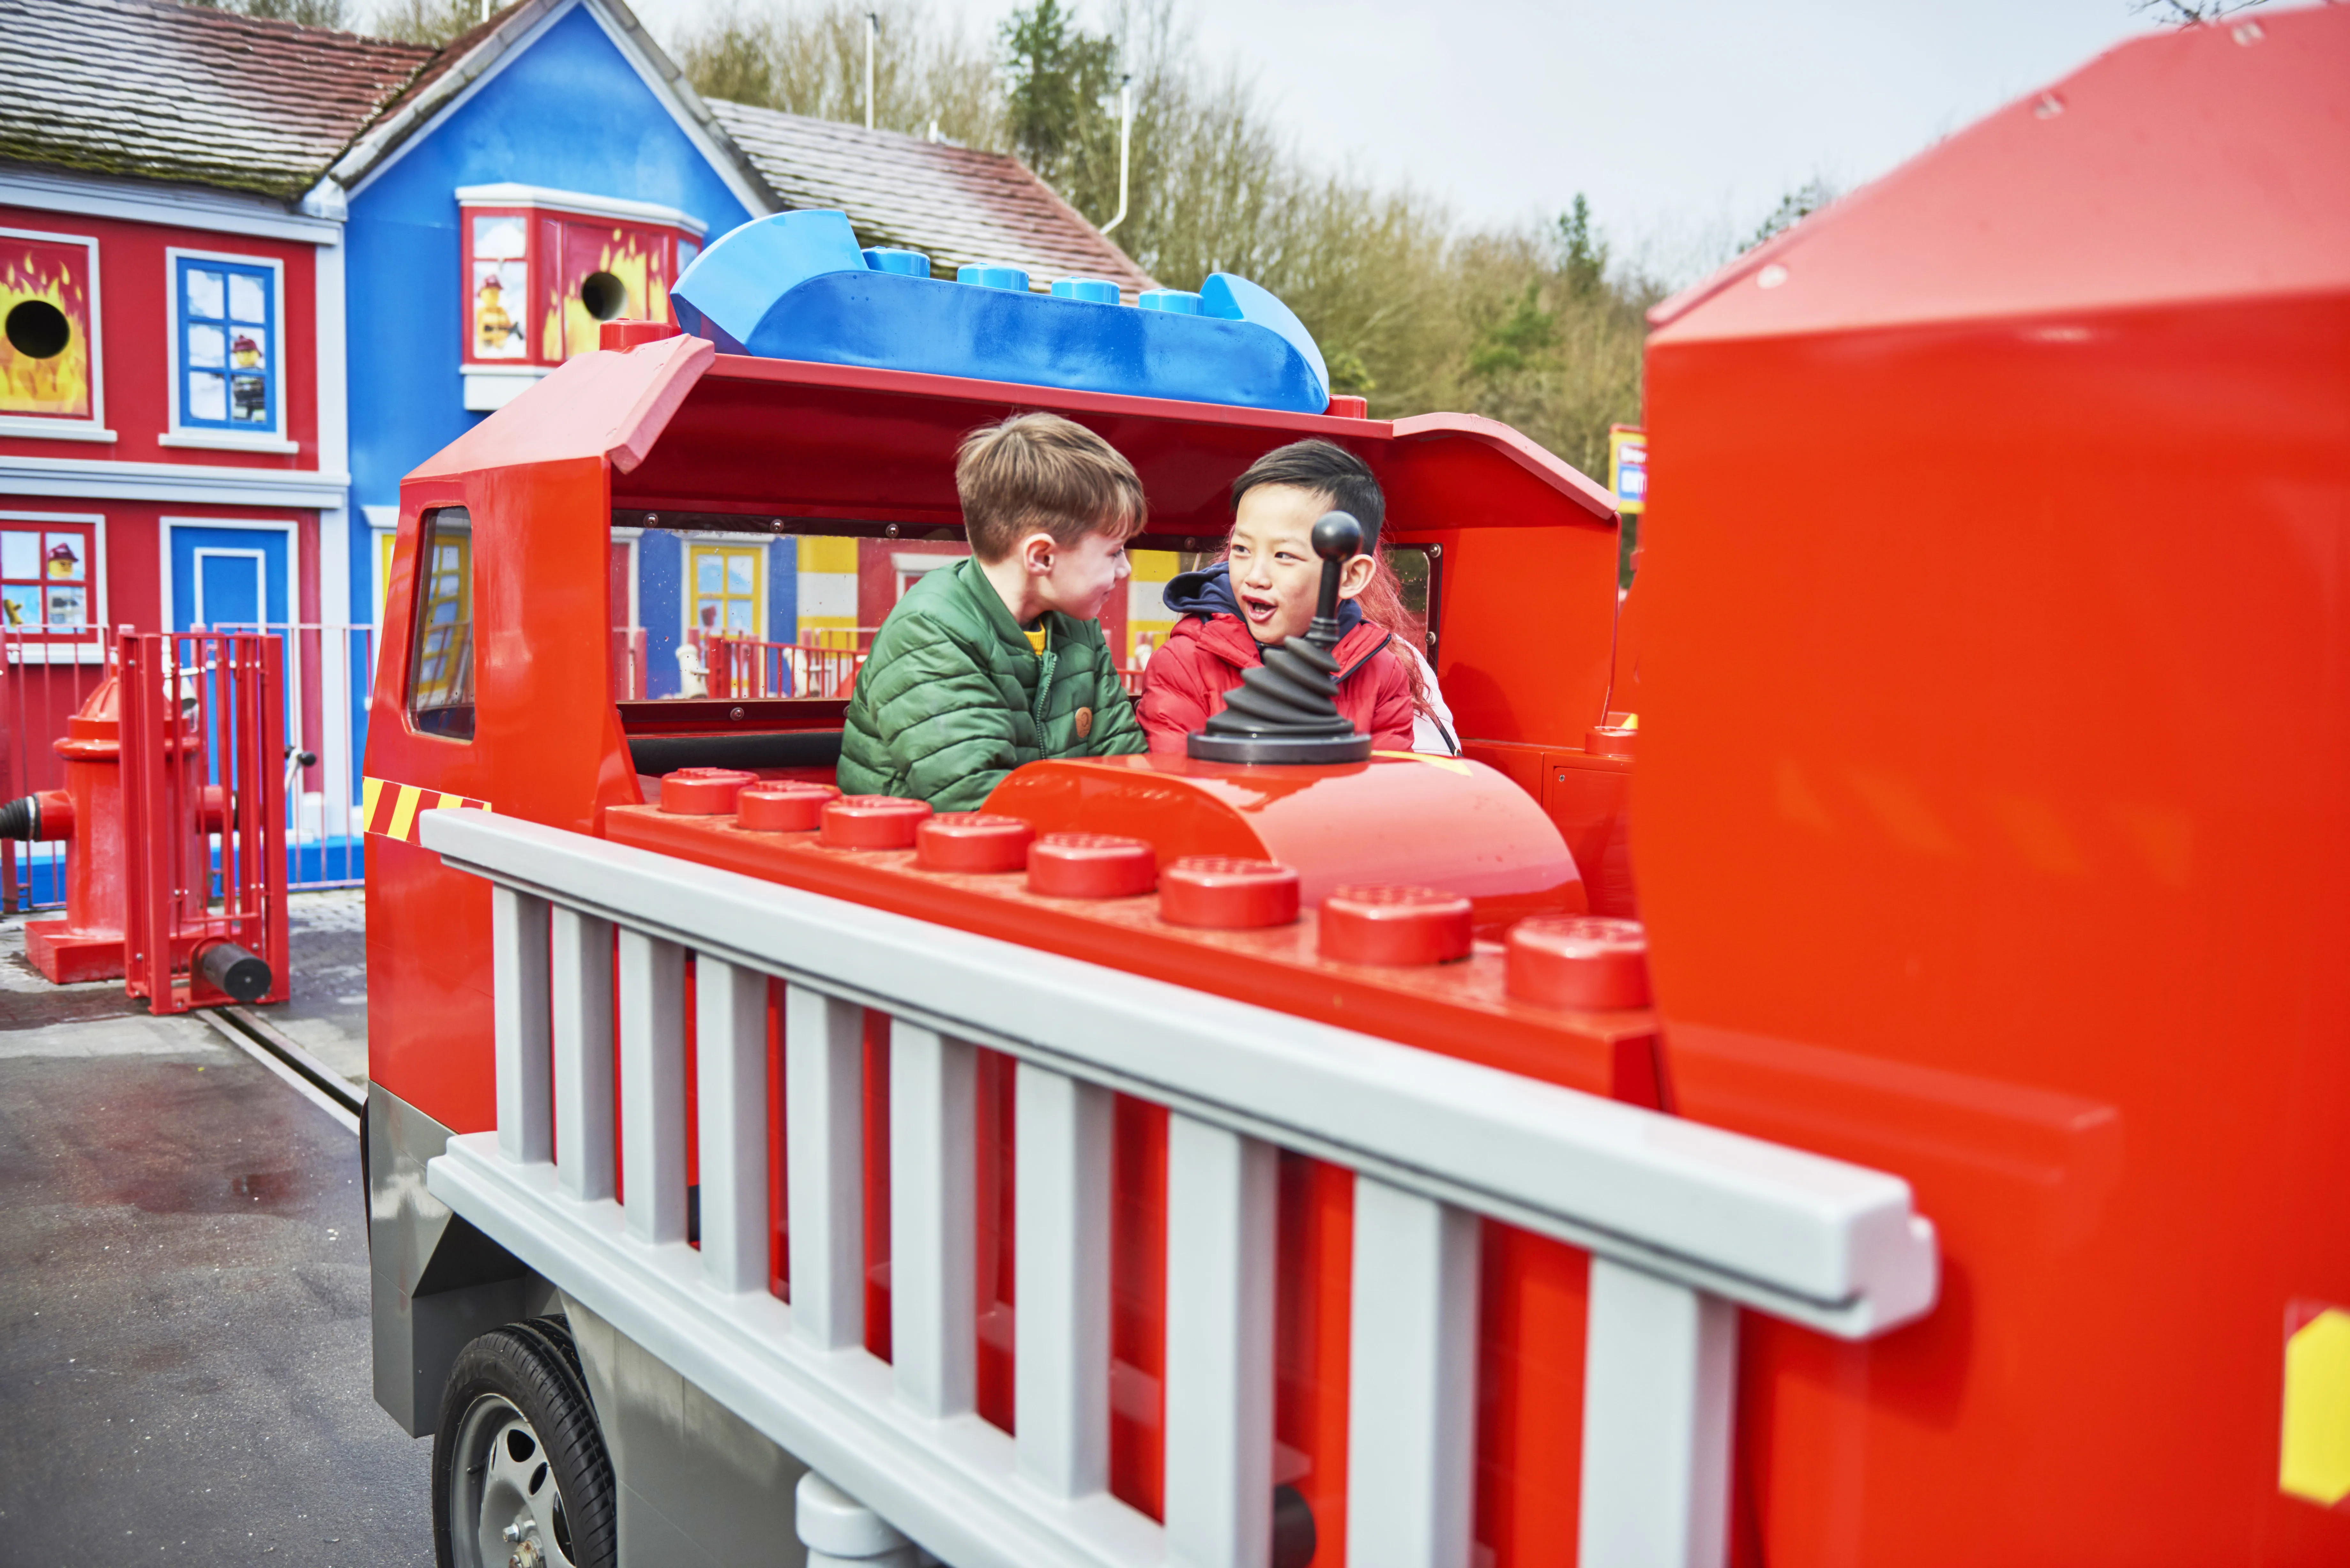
{"x": 232, "y": 969}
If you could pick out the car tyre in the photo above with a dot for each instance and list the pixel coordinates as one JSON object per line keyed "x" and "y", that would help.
{"x": 520, "y": 1475}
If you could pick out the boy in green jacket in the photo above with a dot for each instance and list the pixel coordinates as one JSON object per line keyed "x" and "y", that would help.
{"x": 999, "y": 659}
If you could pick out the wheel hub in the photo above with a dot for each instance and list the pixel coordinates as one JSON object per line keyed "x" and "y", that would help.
{"x": 507, "y": 1508}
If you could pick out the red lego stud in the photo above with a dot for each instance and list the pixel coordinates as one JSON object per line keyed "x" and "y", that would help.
{"x": 703, "y": 792}
{"x": 1610, "y": 740}
{"x": 1397, "y": 927}
{"x": 625, "y": 334}
{"x": 786, "y": 807}
{"x": 873, "y": 821}
{"x": 1224, "y": 893}
{"x": 972, "y": 841}
{"x": 1585, "y": 961}
{"x": 1091, "y": 865}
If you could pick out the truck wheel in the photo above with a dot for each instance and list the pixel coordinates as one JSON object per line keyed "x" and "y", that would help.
{"x": 520, "y": 1477}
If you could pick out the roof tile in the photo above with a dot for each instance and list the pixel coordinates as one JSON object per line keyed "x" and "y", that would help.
{"x": 956, "y": 204}
{"x": 166, "y": 91}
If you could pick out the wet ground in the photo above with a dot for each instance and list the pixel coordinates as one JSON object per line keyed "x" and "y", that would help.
{"x": 327, "y": 1014}
{"x": 183, "y": 1291}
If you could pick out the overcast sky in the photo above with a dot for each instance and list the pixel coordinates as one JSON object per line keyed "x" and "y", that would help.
{"x": 1684, "y": 120}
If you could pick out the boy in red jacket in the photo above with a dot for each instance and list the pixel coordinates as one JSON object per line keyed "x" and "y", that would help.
{"x": 1263, "y": 592}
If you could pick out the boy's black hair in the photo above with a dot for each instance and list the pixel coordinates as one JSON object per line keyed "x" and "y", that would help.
{"x": 1328, "y": 468}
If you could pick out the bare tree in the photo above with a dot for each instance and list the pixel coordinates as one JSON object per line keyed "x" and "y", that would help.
{"x": 426, "y": 21}
{"x": 1536, "y": 324}
{"x": 335, "y": 14}
{"x": 2186, "y": 13}
{"x": 811, "y": 61}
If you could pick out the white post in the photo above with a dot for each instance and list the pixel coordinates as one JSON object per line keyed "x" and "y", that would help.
{"x": 580, "y": 1002}
{"x": 1660, "y": 1364}
{"x": 1222, "y": 1201}
{"x": 824, "y": 1151}
{"x": 1412, "y": 1412}
{"x": 525, "y": 1050}
{"x": 653, "y": 1085}
{"x": 336, "y": 699}
{"x": 730, "y": 1066}
{"x": 1125, "y": 147}
{"x": 932, "y": 1224}
{"x": 872, "y": 40}
{"x": 841, "y": 1532}
{"x": 1060, "y": 1381}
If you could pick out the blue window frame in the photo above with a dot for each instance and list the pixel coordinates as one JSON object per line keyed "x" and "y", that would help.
{"x": 228, "y": 344}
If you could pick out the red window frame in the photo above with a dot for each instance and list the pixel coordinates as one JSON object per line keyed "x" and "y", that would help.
{"x": 538, "y": 292}
{"x": 33, "y": 587}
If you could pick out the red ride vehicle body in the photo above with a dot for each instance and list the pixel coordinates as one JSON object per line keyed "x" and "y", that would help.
{"x": 1985, "y": 811}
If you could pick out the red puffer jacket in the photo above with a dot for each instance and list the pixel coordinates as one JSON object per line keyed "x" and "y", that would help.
{"x": 1184, "y": 683}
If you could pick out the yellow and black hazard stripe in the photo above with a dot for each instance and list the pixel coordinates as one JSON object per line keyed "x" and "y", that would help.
{"x": 391, "y": 810}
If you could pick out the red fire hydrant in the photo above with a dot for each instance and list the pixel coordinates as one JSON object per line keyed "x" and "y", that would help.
{"x": 88, "y": 815}
{"x": 88, "y": 943}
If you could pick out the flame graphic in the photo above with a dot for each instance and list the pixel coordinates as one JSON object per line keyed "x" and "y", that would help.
{"x": 59, "y": 385}
{"x": 637, "y": 260}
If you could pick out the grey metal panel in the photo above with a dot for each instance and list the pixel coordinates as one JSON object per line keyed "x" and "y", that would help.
{"x": 697, "y": 1486}
{"x": 435, "y": 1281}
{"x": 948, "y": 1483}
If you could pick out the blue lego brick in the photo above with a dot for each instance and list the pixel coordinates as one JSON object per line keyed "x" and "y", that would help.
{"x": 797, "y": 285}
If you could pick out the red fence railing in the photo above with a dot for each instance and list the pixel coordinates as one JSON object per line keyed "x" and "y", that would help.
{"x": 203, "y": 813}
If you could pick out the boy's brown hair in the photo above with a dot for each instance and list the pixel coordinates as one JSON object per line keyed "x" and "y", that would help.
{"x": 1041, "y": 472}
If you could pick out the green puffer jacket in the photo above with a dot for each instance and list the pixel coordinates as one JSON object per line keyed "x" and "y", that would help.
{"x": 952, "y": 697}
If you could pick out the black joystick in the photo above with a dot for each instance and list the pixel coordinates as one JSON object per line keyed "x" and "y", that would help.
{"x": 1286, "y": 710}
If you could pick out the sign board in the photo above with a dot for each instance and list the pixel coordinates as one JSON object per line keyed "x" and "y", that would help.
{"x": 1628, "y": 468}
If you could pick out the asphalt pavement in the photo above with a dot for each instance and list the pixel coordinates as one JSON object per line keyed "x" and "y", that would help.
{"x": 183, "y": 1304}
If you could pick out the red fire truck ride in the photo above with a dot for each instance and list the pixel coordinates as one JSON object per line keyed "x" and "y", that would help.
{"x": 1197, "y": 1161}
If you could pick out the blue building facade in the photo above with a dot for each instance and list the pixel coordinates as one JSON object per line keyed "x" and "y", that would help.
{"x": 571, "y": 135}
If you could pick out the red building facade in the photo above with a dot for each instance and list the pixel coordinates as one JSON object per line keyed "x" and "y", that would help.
{"x": 168, "y": 439}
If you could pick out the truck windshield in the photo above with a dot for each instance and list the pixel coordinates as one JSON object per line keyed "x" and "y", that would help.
{"x": 720, "y": 607}
{"x": 441, "y": 654}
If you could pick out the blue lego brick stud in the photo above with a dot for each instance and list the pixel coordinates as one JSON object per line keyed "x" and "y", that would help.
{"x": 988, "y": 274}
{"x": 905, "y": 263}
{"x": 797, "y": 285}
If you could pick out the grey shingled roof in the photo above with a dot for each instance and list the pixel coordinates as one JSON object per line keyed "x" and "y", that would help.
{"x": 165, "y": 91}
{"x": 955, "y": 204}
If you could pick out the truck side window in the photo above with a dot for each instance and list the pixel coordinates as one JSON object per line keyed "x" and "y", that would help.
{"x": 441, "y": 653}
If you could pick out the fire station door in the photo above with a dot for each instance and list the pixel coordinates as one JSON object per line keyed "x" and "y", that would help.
{"x": 230, "y": 577}
{"x": 237, "y": 577}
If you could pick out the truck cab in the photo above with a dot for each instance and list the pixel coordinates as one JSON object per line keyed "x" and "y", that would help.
{"x": 1945, "y": 1166}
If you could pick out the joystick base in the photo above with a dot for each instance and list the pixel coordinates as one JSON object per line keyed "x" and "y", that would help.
{"x": 1278, "y": 750}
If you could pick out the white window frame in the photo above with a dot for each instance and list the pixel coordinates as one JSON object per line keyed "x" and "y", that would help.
{"x": 89, "y": 650}
{"x": 59, "y": 427}
{"x": 629, "y": 536}
{"x": 489, "y": 385}
{"x": 271, "y": 440}
{"x": 382, "y": 523}
{"x": 579, "y": 205}
{"x": 260, "y": 559}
